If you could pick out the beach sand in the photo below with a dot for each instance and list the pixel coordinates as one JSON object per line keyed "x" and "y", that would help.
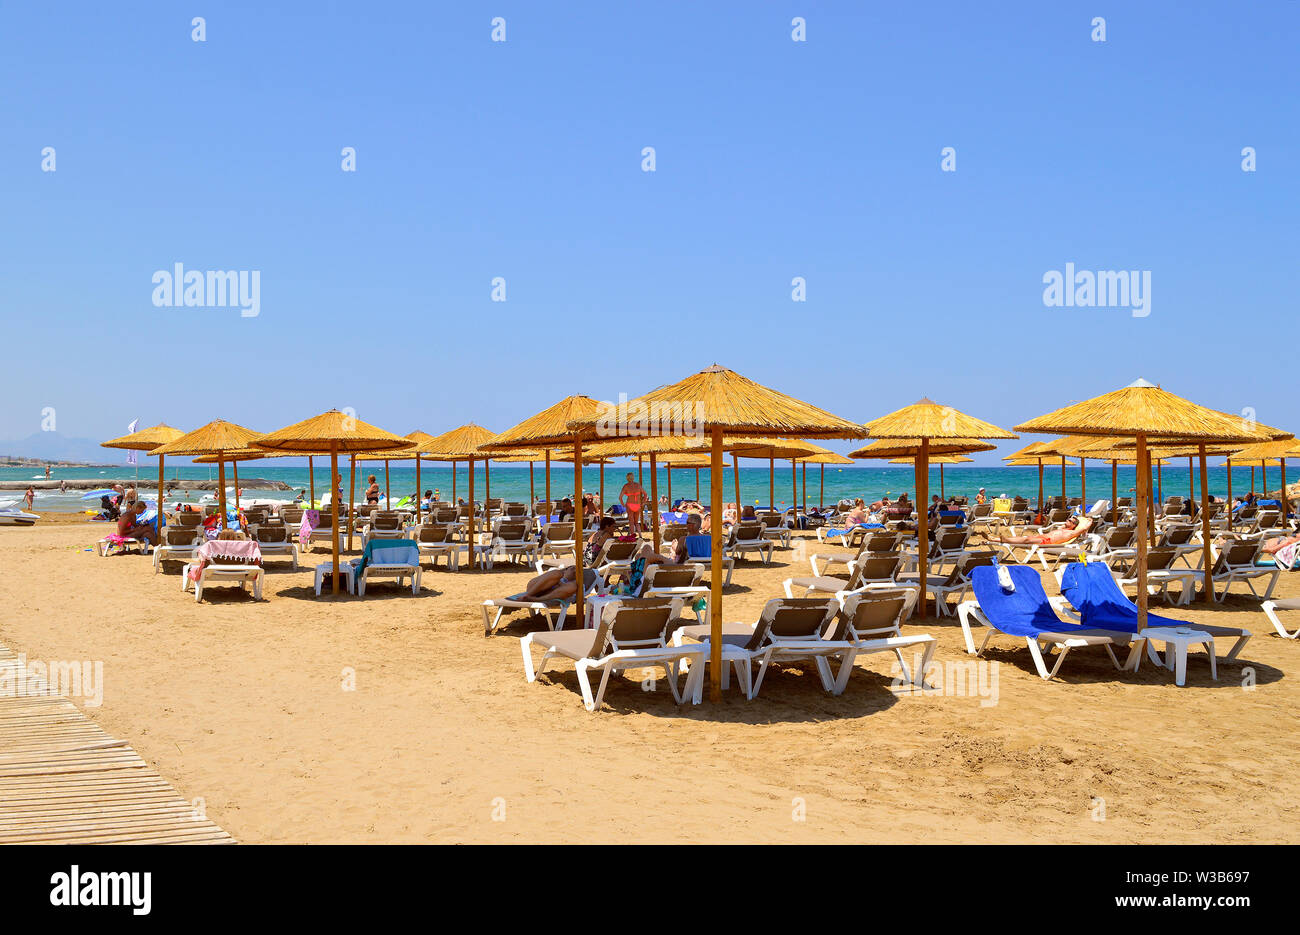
{"x": 243, "y": 705}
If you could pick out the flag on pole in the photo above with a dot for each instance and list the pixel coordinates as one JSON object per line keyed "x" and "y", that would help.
{"x": 132, "y": 456}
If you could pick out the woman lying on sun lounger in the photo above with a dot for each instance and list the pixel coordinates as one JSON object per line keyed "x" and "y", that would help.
{"x": 1074, "y": 528}
{"x": 558, "y": 584}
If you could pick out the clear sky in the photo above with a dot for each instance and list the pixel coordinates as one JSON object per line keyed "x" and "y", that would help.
{"x": 522, "y": 159}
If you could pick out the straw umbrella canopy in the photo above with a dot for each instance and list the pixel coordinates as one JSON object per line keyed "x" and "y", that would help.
{"x": 461, "y": 444}
{"x": 1144, "y": 411}
{"x": 821, "y": 459}
{"x": 935, "y": 428}
{"x": 333, "y": 432}
{"x": 148, "y": 440}
{"x": 216, "y": 438}
{"x": 549, "y": 429}
{"x": 721, "y": 402}
{"x": 234, "y": 457}
{"x": 532, "y": 456}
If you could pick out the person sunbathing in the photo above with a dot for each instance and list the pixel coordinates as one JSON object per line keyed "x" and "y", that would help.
{"x": 1074, "y": 528}
{"x": 1277, "y": 544}
{"x": 558, "y": 584}
{"x": 130, "y": 527}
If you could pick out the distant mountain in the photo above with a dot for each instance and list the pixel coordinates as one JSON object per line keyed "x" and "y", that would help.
{"x": 51, "y": 446}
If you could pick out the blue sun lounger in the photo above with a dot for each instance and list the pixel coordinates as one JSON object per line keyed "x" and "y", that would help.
{"x": 1027, "y": 612}
{"x": 1093, "y": 591}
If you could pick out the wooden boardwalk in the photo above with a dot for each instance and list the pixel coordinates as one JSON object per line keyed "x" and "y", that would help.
{"x": 64, "y": 781}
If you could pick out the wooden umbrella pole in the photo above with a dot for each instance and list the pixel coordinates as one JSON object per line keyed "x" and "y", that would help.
{"x": 715, "y": 566}
{"x": 1083, "y": 482}
{"x": 654, "y": 499}
{"x": 548, "y": 482}
{"x": 794, "y": 486}
{"x": 640, "y": 474}
{"x": 771, "y": 484}
{"x": 697, "y": 485}
{"x": 821, "y": 493}
{"x": 1040, "y": 488}
{"x": 234, "y": 466}
{"x": 352, "y": 493}
{"x": 669, "y": 475}
{"x": 602, "y": 486}
{"x": 735, "y": 471}
{"x": 1228, "y": 504}
{"x": 1191, "y": 478}
{"x": 1143, "y": 505}
{"x": 311, "y": 481}
{"x": 470, "y": 541}
{"x": 161, "y": 511}
{"x": 454, "y": 501}
{"x": 943, "y": 494}
{"x": 334, "y": 506}
{"x": 221, "y": 488}
{"x": 922, "y": 516}
{"x": 577, "y": 529}
{"x": 1151, "y": 505}
{"x": 803, "y": 483}
{"x": 1205, "y": 529}
{"x": 1160, "y": 481}
{"x": 532, "y": 495}
{"x": 1114, "y": 489}
{"x": 419, "y": 489}
{"x": 388, "y": 493}
{"x": 1064, "y": 498}
{"x": 1252, "y": 480}
{"x": 1286, "y": 505}
{"x": 487, "y": 490}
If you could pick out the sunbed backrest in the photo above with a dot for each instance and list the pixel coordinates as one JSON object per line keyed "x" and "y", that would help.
{"x": 801, "y": 618}
{"x": 270, "y": 533}
{"x": 875, "y": 615}
{"x": 1160, "y": 558}
{"x": 882, "y": 542}
{"x": 747, "y": 530}
{"x": 432, "y": 533}
{"x": 513, "y": 531}
{"x": 1242, "y": 552}
{"x": 1179, "y": 535}
{"x": 673, "y": 576}
{"x": 385, "y": 519}
{"x": 188, "y": 519}
{"x": 291, "y": 514}
{"x": 559, "y": 532}
{"x": 878, "y": 567}
{"x": 641, "y": 620}
{"x": 176, "y": 535}
{"x": 1118, "y": 537}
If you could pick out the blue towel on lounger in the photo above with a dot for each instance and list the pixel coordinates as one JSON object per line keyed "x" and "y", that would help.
{"x": 1102, "y": 604}
{"x": 1022, "y": 612}
{"x": 699, "y": 546}
{"x": 389, "y": 552}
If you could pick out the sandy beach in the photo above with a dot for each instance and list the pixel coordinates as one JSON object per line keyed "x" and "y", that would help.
{"x": 242, "y": 704}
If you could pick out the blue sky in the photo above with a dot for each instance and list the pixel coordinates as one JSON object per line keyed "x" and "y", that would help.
{"x": 522, "y": 159}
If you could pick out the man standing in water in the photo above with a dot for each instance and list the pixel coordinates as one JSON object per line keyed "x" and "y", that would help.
{"x": 632, "y": 496}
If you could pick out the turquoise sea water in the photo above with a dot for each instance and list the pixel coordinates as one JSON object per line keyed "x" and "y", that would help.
{"x": 512, "y": 481}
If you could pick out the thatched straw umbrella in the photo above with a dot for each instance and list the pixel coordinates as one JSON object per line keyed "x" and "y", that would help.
{"x": 940, "y": 460}
{"x": 549, "y": 429}
{"x": 461, "y": 444}
{"x": 921, "y": 427}
{"x": 1143, "y": 411}
{"x": 148, "y": 440}
{"x": 716, "y": 401}
{"x": 216, "y": 438}
{"x": 821, "y": 459}
{"x": 234, "y": 457}
{"x": 331, "y": 432}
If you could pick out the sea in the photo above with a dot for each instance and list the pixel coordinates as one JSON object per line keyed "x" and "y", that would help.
{"x": 512, "y": 482}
